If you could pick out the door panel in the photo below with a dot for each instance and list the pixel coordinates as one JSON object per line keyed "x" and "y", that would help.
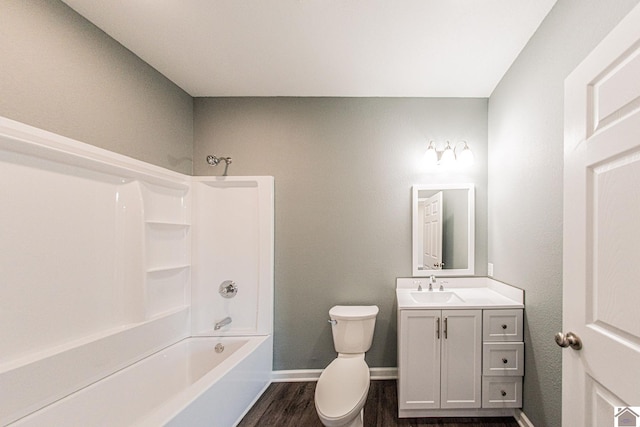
{"x": 603, "y": 404}
{"x": 614, "y": 302}
{"x": 601, "y": 285}
{"x": 432, "y": 226}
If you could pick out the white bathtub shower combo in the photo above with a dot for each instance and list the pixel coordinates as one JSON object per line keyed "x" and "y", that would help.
{"x": 112, "y": 270}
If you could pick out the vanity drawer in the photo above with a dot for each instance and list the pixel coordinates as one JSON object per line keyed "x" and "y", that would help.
{"x": 502, "y": 325}
{"x": 501, "y": 392}
{"x": 503, "y": 358}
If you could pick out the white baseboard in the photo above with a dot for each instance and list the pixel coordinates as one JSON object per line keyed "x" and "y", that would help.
{"x": 522, "y": 419}
{"x": 297, "y": 375}
{"x": 384, "y": 373}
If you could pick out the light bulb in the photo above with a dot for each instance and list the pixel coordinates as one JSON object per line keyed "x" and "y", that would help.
{"x": 448, "y": 157}
{"x": 430, "y": 156}
{"x": 466, "y": 156}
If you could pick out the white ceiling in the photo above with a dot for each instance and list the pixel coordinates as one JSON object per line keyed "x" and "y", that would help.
{"x": 403, "y": 48}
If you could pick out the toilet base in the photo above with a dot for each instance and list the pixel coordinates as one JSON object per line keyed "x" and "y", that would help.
{"x": 358, "y": 421}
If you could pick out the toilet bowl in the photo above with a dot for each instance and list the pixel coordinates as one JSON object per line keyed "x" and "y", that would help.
{"x": 341, "y": 391}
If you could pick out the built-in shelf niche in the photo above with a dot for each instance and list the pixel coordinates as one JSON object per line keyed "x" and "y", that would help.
{"x": 167, "y": 290}
{"x": 167, "y": 247}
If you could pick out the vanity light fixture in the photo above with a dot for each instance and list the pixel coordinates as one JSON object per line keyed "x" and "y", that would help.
{"x": 449, "y": 156}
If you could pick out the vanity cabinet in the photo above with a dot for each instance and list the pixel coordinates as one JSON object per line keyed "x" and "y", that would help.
{"x": 439, "y": 359}
{"x": 459, "y": 359}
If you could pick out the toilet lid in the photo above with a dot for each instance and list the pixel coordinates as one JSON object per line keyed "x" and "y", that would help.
{"x": 342, "y": 388}
{"x": 353, "y": 312}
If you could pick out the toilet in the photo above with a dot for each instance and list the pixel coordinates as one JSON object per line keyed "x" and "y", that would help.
{"x": 342, "y": 388}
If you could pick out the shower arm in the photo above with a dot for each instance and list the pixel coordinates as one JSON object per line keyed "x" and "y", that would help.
{"x": 213, "y": 161}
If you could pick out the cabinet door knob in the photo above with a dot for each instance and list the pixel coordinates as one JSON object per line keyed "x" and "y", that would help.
{"x": 503, "y": 393}
{"x": 504, "y": 326}
{"x": 504, "y": 360}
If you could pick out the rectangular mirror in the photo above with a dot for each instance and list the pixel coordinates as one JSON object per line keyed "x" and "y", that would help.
{"x": 443, "y": 230}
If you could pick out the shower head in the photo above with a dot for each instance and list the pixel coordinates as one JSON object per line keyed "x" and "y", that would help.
{"x": 213, "y": 161}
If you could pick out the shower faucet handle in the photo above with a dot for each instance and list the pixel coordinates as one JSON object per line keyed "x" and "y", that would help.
{"x": 228, "y": 289}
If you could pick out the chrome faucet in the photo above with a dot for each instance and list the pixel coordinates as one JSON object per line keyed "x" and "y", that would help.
{"x": 432, "y": 281}
{"x": 419, "y": 283}
{"x": 223, "y": 322}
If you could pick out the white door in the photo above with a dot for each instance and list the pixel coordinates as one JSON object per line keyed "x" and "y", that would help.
{"x": 432, "y": 229}
{"x": 601, "y": 295}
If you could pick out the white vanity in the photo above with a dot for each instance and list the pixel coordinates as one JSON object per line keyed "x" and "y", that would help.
{"x": 460, "y": 350}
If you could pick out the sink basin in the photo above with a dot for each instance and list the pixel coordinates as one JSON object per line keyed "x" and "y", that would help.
{"x": 435, "y": 297}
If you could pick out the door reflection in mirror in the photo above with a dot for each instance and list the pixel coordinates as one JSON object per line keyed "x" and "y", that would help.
{"x": 430, "y": 211}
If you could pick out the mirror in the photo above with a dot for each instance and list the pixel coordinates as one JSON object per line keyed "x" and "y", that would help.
{"x": 443, "y": 230}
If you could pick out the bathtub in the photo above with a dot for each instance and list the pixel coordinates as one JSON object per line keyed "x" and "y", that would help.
{"x": 190, "y": 383}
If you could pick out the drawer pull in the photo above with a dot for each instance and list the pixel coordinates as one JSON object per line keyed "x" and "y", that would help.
{"x": 504, "y": 326}
{"x": 503, "y": 393}
{"x": 504, "y": 360}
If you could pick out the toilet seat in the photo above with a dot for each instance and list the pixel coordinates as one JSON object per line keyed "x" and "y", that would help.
{"x": 342, "y": 389}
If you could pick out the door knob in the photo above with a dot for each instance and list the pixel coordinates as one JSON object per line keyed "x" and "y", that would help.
{"x": 569, "y": 340}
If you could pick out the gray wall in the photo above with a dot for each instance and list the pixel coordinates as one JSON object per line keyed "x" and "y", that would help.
{"x": 343, "y": 171}
{"x": 525, "y": 184}
{"x": 60, "y": 73}
{"x": 455, "y": 229}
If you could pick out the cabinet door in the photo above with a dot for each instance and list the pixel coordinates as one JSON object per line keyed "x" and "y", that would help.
{"x": 461, "y": 358}
{"x": 419, "y": 359}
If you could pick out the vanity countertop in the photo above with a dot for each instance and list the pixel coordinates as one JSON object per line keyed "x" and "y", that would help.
{"x": 459, "y": 293}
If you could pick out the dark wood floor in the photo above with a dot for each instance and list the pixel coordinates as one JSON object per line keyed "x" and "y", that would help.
{"x": 291, "y": 405}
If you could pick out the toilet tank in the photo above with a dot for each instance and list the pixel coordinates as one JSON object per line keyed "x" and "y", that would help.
{"x": 352, "y": 327}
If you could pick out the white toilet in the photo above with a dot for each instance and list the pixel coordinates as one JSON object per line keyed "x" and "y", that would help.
{"x": 342, "y": 388}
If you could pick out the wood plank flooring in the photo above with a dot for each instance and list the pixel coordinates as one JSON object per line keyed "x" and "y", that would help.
{"x": 291, "y": 405}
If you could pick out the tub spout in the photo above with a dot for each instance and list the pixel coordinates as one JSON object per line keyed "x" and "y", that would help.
{"x": 223, "y": 322}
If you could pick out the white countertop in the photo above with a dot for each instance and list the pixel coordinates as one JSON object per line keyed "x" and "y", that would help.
{"x": 474, "y": 292}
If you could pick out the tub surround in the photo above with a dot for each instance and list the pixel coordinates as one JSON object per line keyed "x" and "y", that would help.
{"x": 108, "y": 260}
{"x": 232, "y": 239}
